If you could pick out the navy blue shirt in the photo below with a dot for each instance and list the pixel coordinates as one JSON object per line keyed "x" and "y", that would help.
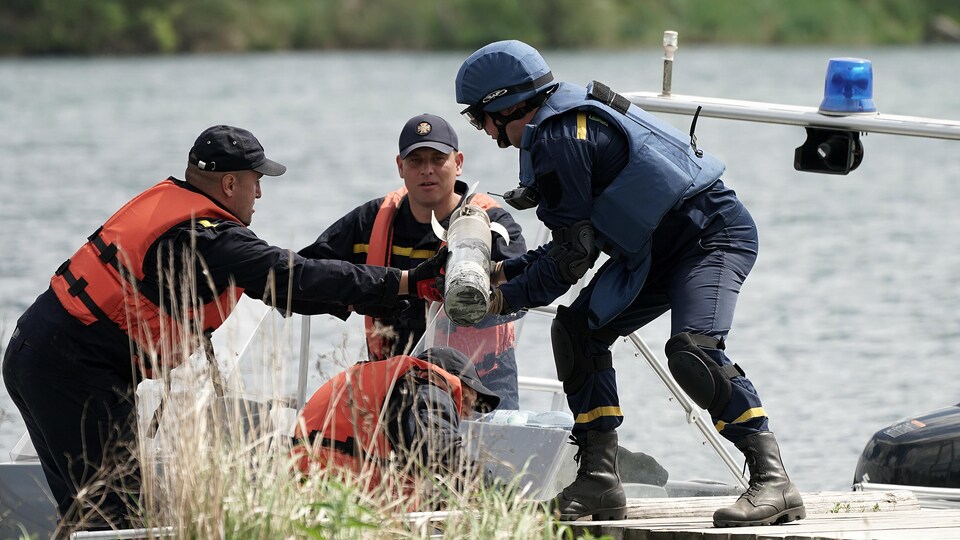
{"x": 413, "y": 242}
{"x": 231, "y": 253}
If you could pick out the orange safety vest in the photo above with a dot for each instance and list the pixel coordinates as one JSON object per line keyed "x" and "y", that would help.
{"x": 379, "y": 249}
{"x": 102, "y": 280}
{"x": 344, "y": 419}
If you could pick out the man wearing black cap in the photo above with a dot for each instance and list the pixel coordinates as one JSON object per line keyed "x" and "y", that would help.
{"x": 395, "y": 231}
{"x": 139, "y": 297}
{"x": 408, "y": 405}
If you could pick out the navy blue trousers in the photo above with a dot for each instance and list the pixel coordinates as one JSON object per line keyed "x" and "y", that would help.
{"x": 700, "y": 289}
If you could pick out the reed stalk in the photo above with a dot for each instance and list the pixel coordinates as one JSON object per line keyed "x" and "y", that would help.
{"x": 220, "y": 466}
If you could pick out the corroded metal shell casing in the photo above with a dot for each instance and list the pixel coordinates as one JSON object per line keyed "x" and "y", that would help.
{"x": 467, "y": 281}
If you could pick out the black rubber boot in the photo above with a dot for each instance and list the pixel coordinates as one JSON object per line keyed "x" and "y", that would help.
{"x": 597, "y": 491}
{"x": 771, "y": 497}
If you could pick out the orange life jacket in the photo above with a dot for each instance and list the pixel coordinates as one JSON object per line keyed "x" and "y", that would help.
{"x": 344, "y": 419}
{"x": 497, "y": 339}
{"x": 103, "y": 279}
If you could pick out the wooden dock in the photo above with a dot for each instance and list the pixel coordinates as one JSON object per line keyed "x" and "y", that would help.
{"x": 893, "y": 515}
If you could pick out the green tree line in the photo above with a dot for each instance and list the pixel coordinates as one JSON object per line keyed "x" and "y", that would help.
{"x": 93, "y": 27}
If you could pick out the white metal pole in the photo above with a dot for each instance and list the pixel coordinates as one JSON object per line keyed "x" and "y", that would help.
{"x": 669, "y": 48}
{"x": 693, "y": 411}
{"x": 304, "y": 361}
{"x": 690, "y": 408}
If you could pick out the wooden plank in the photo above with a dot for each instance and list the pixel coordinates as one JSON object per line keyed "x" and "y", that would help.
{"x": 882, "y": 525}
{"x": 820, "y": 502}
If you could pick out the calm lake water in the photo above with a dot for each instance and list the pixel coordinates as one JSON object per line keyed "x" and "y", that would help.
{"x": 848, "y": 322}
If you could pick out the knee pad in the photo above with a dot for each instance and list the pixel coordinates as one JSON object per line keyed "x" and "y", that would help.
{"x": 568, "y": 335}
{"x": 574, "y": 249}
{"x": 706, "y": 382}
{"x": 568, "y": 353}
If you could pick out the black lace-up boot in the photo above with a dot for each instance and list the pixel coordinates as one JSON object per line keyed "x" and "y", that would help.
{"x": 771, "y": 497}
{"x": 597, "y": 491}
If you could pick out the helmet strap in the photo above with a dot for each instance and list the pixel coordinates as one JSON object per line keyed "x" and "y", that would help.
{"x": 501, "y": 120}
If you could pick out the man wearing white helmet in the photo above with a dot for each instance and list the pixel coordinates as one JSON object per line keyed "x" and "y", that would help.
{"x": 607, "y": 176}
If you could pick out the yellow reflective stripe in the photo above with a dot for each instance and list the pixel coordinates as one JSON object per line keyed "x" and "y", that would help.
{"x": 205, "y": 223}
{"x": 582, "y": 126}
{"x": 755, "y": 412}
{"x": 401, "y": 251}
{"x": 414, "y": 253}
{"x": 589, "y": 416}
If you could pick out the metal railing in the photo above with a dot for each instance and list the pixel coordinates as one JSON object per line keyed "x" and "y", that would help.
{"x": 693, "y": 413}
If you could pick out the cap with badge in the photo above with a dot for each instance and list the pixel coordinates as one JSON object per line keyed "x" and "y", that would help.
{"x": 430, "y": 131}
{"x": 228, "y": 148}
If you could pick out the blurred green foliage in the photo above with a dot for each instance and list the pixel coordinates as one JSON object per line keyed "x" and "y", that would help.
{"x": 89, "y": 27}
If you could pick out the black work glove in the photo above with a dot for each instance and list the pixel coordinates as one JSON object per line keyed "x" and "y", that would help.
{"x": 383, "y": 310}
{"x": 426, "y": 281}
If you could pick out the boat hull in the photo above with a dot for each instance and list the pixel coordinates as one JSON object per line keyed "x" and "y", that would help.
{"x": 25, "y": 500}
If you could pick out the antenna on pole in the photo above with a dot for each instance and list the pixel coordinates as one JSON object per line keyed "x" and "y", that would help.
{"x": 669, "y": 47}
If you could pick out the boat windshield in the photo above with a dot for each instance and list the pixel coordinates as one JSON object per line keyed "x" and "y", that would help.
{"x": 668, "y": 446}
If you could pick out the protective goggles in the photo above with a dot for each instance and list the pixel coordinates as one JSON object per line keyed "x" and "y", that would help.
{"x": 475, "y": 115}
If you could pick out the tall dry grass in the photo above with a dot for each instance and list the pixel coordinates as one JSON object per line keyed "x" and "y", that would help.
{"x": 220, "y": 466}
{"x": 224, "y": 470}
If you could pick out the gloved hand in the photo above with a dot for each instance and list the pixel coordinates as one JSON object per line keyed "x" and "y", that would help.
{"x": 495, "y": 269}
{"x": 383, "y": 310}
{"x": 498, "y": 305}
{"x": 425, "y": 281}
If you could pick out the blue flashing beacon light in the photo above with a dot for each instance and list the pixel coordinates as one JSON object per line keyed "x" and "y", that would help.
{"x": 848, "y": 88}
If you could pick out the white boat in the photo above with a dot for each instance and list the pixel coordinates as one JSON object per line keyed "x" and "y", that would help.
{"x": 533, "y": 442}
{"x": 535, "y": 437}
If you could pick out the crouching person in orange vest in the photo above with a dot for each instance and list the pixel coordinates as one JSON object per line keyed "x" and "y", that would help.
{"x": 391, "y": 421}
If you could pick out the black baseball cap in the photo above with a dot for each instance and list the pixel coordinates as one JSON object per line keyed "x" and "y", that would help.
{"x": 456, "y": 363}
{"x": 427, "y": 130}
{"x": 228, "y": 148}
